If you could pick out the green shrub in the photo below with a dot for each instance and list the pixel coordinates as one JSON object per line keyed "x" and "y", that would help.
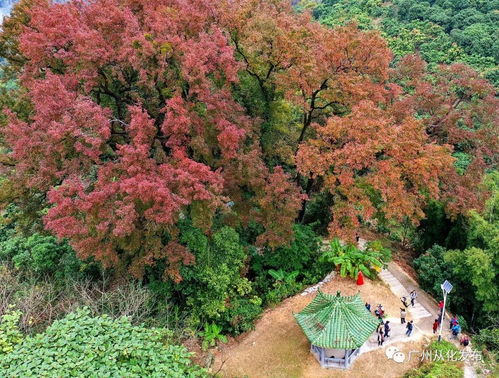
{"x": 81, "y": 345}
{"x": 284, "y": 286}
{"x": 284, "y": 271}
{"x": 350, "y": 260}
{"x": 217, "y": 277}
{"x": 281, "y": 291}
{"x": 212, "y": 334}
{"x": 439, "y": 369}
{"x": 10, "y": 335}
{"x": 43, "y": 255}
{"x": 436, "y": 370}
{"x": 488, "y": 338}
{"x": 241, "y": 314}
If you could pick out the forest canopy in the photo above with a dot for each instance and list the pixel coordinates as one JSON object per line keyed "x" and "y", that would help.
{"x": 142, "y": 114}
{"x": 187, "y": 163}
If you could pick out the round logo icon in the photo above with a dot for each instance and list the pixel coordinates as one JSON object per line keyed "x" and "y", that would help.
{"x": 399, "y": 357}
{"x": 390, "y": 351}
{"x": 393, "y": 353}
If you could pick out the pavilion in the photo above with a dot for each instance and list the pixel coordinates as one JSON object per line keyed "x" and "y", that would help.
{"x": 336, "y": 327}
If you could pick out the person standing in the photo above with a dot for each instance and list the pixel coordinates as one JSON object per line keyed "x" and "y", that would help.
{"x": 413, "y": 297}
{"x": 436, "y": 323}
{"x": 404, "y": 301}
{"x": 402, "y": 315}
{"x": 379, "y": 312}
{"x": 409, "y": 327}
{"x": 368, "y": 306}
{"x": 381, "y": 337}
{"x": 387, "y": 329}
{"x": 456, "y": 330}
{"x": 453, "y": 321}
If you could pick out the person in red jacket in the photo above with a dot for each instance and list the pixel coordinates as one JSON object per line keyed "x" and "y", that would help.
{"x": 435, "y": 326}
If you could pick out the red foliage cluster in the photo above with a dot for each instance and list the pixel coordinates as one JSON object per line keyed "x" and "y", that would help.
{"x": 456, "y": 107}
{"x": 135, "y": 124}
{"x": 371, "y": 163}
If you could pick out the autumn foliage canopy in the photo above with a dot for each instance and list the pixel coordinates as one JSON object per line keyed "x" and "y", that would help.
{"x": 239, "y": 112}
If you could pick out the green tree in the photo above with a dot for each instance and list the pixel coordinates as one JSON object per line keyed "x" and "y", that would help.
{"x": 479, "y": 262}
{"x": 216, "y": 279}
{"x": 42, "y": 255}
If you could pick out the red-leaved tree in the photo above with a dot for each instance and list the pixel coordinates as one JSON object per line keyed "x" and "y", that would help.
{"x": 374, "y": 165}
{"x": 459, "y": 108}
{"x": 134, "y": 124}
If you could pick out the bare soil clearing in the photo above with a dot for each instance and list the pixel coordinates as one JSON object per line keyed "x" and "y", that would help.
{"x": 278, "y": 348}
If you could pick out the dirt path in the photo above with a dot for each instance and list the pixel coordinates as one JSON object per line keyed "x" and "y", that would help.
{"x": 428, "y": 303}
{"x": 278, "y": 348}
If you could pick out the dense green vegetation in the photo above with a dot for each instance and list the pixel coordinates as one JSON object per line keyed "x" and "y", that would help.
{"x": 473, "y": 268}
{"x": 81, "y": 345}
{"x": 442, "y": 31}
{"x": 449, "y": 368}
{"x": 350, "y": 260}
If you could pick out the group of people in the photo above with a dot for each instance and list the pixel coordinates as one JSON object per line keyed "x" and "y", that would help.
{"x": 454, "y": 326}
{"x": 453, "y": 323}
{"x": 379, "y": 312}
{"x": 403, "y": 312}
{"x": 383, "y": 330}
{"x": 412, "y": 295}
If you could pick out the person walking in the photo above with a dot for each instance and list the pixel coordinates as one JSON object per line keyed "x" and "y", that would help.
{"x": 404, "y": 301}
{"x": 379, "y": 312}
{"x": 436, "y": 323}
{"x": 387, "y": 329}
{"x": 413, "y": 296}
{"x": 409, "y": 327}
{"x": 402, "y": 315}
{"x": 381, "y": 337}
{"x": 456, "y": 330}
{"x": 368, "y": 306}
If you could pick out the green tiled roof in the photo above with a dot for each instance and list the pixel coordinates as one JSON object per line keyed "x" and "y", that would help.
{"x": 333, "y": 321}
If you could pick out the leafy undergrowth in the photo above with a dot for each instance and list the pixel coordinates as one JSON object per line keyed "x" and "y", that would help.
{"x": 82, "y": 345}
{"x": 436, "y": 367}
